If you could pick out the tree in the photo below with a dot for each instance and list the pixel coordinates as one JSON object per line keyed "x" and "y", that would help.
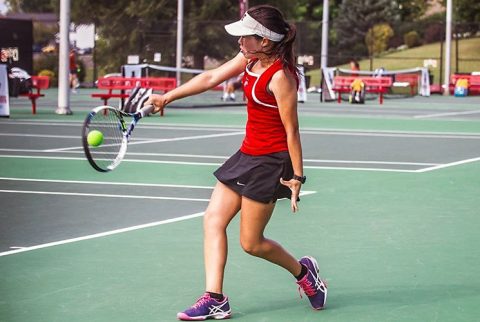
{"x": 204, "y": 32}
{"x": 377, "y": 38}
{"x": 128, "y": 27}
{"x": 44, "y": 34}
{"x": 37, "y": 6}
{"x": 467, "y": 11}
{"x": 288, "y": 7}
{"x": 354, "y": 20}
{"x": 411, "y": 10}
{"x": 144, "y": 26}
{"x": 308, "y": 17}
{"x": 466, "y": 15}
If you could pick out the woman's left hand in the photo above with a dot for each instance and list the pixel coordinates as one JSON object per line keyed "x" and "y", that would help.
{"x": 294, "y": 186}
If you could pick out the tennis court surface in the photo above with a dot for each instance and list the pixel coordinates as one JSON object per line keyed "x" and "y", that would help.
{"x": 390, "y": 210}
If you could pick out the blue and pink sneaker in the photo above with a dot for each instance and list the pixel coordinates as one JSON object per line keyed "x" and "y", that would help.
{"x": 312, "y": 285}
{"x": 207, "y": 307}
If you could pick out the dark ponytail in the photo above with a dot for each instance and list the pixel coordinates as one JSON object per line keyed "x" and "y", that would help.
{"x": 286, "y": 49}
{"x": 272, "y": 18}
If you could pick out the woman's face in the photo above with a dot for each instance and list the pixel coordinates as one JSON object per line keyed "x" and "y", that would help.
{"x": 250, "y": 45}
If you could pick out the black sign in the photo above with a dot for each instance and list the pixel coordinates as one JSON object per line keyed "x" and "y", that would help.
{"x": 16, "y": 42}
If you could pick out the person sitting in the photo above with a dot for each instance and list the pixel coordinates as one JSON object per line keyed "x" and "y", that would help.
{"x": 354, "y": 66}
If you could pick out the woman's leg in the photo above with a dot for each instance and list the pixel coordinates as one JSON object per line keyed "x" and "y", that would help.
{"x": 224, "y": 205}
{"x": 254, "y": 218}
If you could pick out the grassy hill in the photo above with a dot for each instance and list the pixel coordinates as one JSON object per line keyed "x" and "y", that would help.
{"x": 410, "y": 58}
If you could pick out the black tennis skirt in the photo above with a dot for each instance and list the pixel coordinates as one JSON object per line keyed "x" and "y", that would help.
{"x": 257, "y": 177}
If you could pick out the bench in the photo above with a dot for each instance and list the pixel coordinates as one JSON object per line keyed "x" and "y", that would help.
{"x": 378, "y": 85}
{"x": 117, "y": 87}
{"x": 38, "y": 83}
{"x": 162, "y": 84}
{"x": 473, "y": 83}
{"x": 410, "y": 80}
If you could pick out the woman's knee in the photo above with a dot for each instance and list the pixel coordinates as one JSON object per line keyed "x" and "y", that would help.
{"x": 252, "y": 246}
{"x": 223, "y": 206}
{"x": 214, "y": 221}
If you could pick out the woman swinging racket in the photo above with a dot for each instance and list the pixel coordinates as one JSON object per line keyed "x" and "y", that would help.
{"x": 268, "y": 165}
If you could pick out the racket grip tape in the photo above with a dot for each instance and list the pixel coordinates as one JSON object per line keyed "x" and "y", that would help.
{"x": 146, "y": 110}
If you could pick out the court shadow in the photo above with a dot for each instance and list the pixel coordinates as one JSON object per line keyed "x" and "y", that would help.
{"x": 270, "y": 306}
{"x": 398, "y": 296}
{"x": 343, "y": 298}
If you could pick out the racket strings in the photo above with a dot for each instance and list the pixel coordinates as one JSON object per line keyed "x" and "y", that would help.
{"x": 112, "y": 127}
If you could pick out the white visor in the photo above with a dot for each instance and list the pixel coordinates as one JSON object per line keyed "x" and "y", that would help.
{"x": 249, "y": 26}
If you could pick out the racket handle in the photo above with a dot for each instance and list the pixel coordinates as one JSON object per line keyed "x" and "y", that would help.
{"x": 146, "y": 110}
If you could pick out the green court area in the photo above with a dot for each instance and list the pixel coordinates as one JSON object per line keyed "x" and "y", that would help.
{"x": 391, "y": 214}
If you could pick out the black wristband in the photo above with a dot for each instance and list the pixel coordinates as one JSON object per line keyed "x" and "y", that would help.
{"x": 299, "y": 178}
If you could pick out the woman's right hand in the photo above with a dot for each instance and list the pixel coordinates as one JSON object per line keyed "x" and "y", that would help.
{"x": 295, "y": 187}
{"x": 158, "y": 102}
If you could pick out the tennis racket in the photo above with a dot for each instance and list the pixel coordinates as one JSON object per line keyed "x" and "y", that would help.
{"x": 114, "y": 135}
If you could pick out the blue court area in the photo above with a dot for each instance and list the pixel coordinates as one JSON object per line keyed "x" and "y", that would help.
{"x": 390, "y": 211}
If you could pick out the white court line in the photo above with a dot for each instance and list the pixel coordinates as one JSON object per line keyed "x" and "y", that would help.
{"x": 40, "y": 157}
{"x": 159, "y": 140}
{"x": 446, "y": 114}
{"x": 206, "y": 163}
{"x": 42, "y": 135}
{"x": 199, "y": 156}
{"x": 107, "y": 233}
{"x": 109, "y": 183}
{"x": 305, "y": 193}
{"x": 212, "y": 127}
{"x": 302, "y": 193}
{"x": 76, "y": 137}
{"x": 180, "y": 155}
{"x": 113, "y": 232}
{"x": 474, "y": 136}
{"x": 368, "y": 162}
{"x": 357, "y": 169}
{"x": 176, "y": 126}
{"x": 81, "y": 194}
{"x": 124, "y": 160}
{"x": 399, "y": 134}
{"x": 446, "y": 165}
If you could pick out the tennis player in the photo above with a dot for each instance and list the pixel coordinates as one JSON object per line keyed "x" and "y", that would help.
{"x": 268, "y": 165}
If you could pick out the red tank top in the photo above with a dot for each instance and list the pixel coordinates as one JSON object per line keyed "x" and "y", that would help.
{"x": 265, "y": 132}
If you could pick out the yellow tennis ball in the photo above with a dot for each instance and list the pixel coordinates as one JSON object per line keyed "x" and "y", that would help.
{"x": 95, "y": 138}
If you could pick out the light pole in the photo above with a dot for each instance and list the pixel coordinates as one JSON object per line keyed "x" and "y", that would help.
{"x": 243, "y": 7}
{"x": 324, "y": 55}
{"x": 63, "y": 60}
{"x": 448, "y": 47}
{"x": 179, "y": 39}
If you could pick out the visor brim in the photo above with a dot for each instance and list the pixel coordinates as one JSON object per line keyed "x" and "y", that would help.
{"x": 237, "y": 29}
